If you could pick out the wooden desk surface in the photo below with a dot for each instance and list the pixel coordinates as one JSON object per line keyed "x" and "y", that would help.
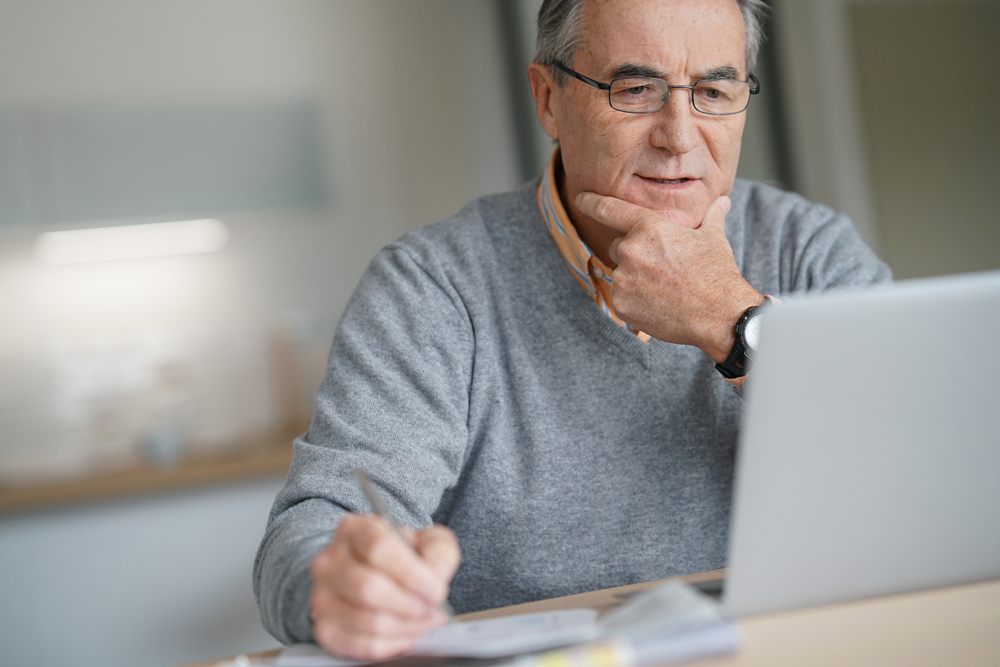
{"x": 271, "y": 456}
{"x": 959, "y": 625}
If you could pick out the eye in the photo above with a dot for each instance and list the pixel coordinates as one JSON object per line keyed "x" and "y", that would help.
{"x": 716, "y": 94}
{"x": 633, "y": 88}
{"x": 637, "y": 94}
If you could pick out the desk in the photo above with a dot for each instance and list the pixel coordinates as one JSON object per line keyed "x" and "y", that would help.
{"x": 959, "y": 625}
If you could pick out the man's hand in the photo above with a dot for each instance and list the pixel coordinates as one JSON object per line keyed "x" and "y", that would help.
{"x": 677, "y": 284}
{"x": 374, "y": 596}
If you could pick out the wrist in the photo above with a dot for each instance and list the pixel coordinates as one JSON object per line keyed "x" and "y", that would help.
{"x": 723, "y": 336}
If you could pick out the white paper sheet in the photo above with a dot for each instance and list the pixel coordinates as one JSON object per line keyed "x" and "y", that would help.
{"x": 508, "y": 635}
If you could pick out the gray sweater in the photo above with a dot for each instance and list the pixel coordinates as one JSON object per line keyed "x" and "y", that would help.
{"x": 481, "y": 387}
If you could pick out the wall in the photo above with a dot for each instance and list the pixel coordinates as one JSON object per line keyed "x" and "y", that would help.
{"x": 409, "y": 113}
{"x": 156, "y": 581}
{"x": 411, "y": 121}
{"x": 929, "y": 75}
{"x": 879, "y": 127}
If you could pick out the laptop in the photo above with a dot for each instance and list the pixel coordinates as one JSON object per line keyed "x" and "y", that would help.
{"x": 869, "y": 458}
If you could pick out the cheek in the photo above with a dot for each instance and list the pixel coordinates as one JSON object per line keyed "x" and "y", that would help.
{"x": 600, "y": 149}
{"x": 724, "y": 144}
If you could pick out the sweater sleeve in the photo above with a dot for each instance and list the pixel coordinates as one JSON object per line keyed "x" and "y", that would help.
{"x": 786, "y": 244}
{"x": 394, "y": 402}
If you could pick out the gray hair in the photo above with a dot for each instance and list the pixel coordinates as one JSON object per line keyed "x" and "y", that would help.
{"x": 560, "y": 32}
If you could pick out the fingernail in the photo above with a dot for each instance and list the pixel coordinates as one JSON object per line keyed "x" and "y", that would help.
{"x": 726, "y": 204}
{"x": 578, "y": 200}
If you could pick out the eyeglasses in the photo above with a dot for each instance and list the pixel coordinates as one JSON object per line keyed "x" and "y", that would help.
{"x": 641, "y": 94}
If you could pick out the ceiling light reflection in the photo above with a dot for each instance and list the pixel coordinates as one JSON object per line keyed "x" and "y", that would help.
{"x": 158, "y": 239}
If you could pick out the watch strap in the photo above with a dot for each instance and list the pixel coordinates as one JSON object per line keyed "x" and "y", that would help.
{"x": 735, "y": 365}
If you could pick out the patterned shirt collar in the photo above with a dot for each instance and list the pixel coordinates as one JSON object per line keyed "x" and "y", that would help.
{"x": 588, "y": 270}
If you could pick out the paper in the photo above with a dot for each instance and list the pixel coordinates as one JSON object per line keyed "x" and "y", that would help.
{"x": 495, "y": 637}
{"x": 665, "y": 624}
{"x": 670, "y": 623}
{"x": 665, "y": 610}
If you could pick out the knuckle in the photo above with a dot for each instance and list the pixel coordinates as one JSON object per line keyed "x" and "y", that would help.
{"x": 370, "y": 537}
{"x": 625, "y": 249}
{"x": 605, "y": 208}
{"x": 367, "y": 590}
{"x": 350, "y": 525}
{"x": 327, "y": 636}
{"x": 379, "y": 625}
{"x": 379, "y": 550}
{"x": 320, "y": 603}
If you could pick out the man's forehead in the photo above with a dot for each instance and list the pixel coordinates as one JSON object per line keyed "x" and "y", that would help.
{"x": 658, "y": 37}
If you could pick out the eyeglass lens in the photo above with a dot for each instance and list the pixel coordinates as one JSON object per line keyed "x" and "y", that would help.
{"x": 642, "y": 95}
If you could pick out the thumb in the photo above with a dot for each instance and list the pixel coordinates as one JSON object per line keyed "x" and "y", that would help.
{"x": 715, "y": 216}
{"x": 439, "y": 548}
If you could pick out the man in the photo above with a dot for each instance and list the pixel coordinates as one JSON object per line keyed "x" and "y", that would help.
{"x": 537, "y": 376}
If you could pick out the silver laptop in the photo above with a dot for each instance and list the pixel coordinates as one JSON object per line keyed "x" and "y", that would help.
{"x": 869, "y": 460}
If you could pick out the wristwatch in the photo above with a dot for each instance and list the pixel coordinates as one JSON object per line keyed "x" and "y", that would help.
{"x": 747, "y": 332}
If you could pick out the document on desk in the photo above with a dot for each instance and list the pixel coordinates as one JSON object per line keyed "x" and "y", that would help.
{"x": 504, "y": 636}
{"x": 666, "y": 624}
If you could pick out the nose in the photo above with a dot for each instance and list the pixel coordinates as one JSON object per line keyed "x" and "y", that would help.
{"x": 675, "y": 125}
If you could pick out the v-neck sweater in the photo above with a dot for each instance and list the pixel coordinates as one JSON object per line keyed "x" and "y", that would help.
{"x": 480, "y": 387}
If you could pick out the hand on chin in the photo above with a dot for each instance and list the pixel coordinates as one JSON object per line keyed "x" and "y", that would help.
{"x": 686, "y": 208}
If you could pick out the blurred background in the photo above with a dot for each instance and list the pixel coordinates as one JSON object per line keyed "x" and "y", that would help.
{"x": 147, "y": 404}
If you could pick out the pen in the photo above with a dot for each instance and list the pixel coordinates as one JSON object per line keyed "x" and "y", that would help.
{"x": 380, "y": 508}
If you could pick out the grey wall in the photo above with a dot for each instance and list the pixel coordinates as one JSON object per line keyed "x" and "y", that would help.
{"x": 891, "y": 118}
{"x": 929, "y": 76}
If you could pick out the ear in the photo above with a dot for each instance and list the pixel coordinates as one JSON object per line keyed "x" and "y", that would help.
{"x": 543, "y": 89}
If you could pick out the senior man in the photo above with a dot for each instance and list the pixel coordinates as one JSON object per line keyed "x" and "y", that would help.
{"x": 543, "y": 378}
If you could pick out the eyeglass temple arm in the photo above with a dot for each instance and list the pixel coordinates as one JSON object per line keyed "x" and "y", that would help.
{"x": 585, "y": 79}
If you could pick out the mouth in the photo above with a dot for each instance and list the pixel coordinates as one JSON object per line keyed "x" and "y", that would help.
{"x": 668, "y": 181}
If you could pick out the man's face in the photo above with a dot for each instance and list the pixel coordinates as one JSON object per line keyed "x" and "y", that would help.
{"x": 676, "y": 161}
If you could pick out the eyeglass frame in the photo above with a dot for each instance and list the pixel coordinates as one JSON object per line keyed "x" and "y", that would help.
{"x": 607, "y": 86}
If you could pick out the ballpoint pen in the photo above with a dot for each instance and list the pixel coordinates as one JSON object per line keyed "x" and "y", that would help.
{"x": 380, "y": 508}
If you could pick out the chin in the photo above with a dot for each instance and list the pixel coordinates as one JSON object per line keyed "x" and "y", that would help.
{"x": 683, "y": 217}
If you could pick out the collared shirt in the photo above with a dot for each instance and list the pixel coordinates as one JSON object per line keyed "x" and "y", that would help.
{"x": 589, "y": 271}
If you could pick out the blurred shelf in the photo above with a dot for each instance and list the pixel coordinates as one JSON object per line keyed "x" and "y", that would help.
{"x": 273, "y": 459}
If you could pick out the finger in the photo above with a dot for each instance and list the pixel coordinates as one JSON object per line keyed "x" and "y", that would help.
{"x": 345, "y": 644}
{"x": 340, "y": 568}
{"x": 362, "y": 621}
{"x": 615, "y": 213}
{"x": 372, "y": 589}
{"x": 613, "y": 250}
{"x": 375, "y": 544}
{"x": 409, "y": 535}
{"x": 439, "y": 547}
{"x": 715, "y": 216}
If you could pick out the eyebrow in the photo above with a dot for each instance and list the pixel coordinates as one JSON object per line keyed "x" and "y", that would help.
{"x": 727, "y": 72}
{"x": 629, "y": 70}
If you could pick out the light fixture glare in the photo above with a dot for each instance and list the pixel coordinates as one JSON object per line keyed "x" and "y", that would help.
{"x": 158, "y": 239}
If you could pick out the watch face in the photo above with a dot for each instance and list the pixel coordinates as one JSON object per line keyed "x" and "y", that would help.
{"x": 751, "y": 335}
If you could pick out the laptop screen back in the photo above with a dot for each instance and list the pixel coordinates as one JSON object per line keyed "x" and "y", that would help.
{"x": 869, "y": 460}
